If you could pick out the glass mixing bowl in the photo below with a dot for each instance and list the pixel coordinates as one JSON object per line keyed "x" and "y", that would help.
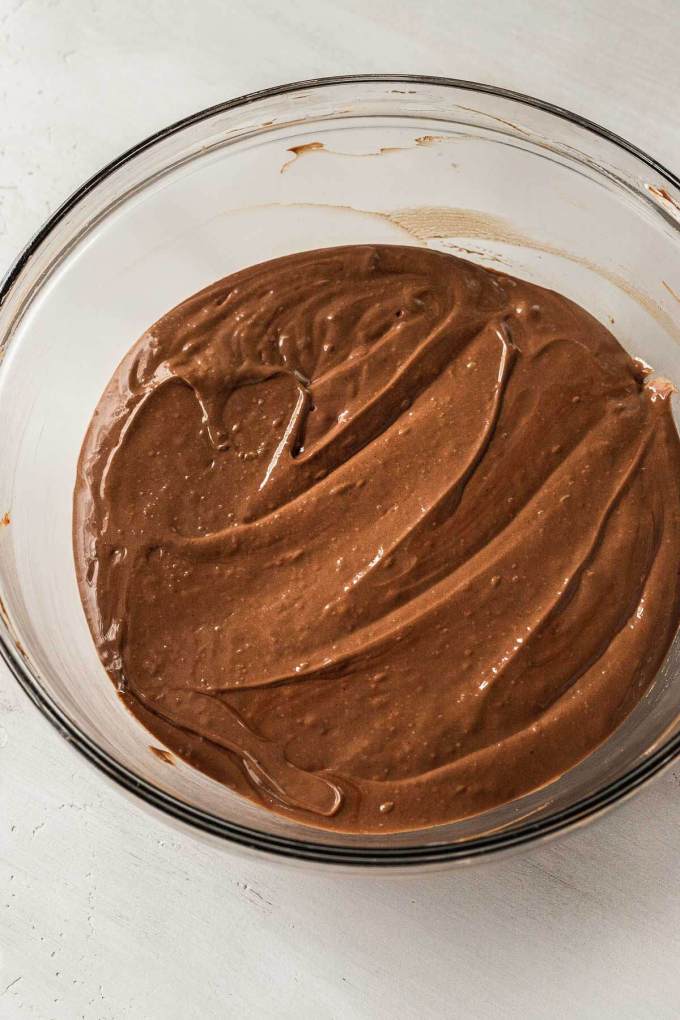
{"x": 508, "y": 181}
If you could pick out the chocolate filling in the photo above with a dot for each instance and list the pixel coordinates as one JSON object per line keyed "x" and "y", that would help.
{"x": 378, "y": 537}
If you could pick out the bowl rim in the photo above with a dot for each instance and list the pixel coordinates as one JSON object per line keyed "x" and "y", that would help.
{"x": 367, "y": 856}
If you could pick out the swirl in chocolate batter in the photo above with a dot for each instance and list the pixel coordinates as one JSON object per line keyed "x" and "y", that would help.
{"x": 378, "y": 537}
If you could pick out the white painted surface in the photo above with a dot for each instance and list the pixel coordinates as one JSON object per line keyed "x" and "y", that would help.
{"x": 105, "y": 912}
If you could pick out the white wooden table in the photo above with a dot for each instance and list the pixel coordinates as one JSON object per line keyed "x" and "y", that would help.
{"x": 105, "y": 912}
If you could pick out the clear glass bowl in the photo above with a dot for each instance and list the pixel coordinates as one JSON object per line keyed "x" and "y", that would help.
{"x": 506, "y": 180}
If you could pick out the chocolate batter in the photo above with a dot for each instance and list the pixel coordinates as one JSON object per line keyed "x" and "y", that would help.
{"x": 380, "y": 538}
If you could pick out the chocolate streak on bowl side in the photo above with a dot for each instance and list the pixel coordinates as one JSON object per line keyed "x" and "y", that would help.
{"x": 380, "y": 538}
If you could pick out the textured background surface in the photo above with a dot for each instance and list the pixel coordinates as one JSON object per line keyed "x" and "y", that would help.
{"x": 105, "y": 912}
